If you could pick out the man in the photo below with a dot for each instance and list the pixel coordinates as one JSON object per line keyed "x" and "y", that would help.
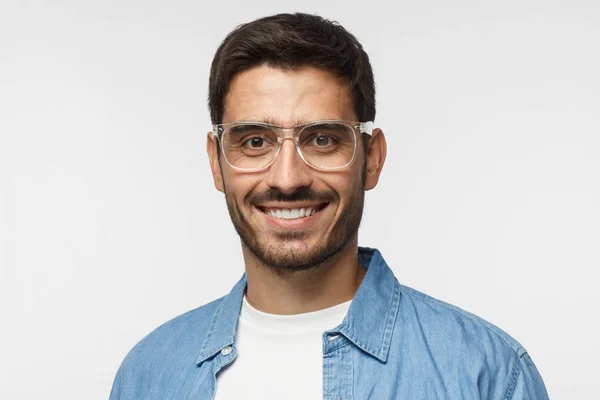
{"x": 292, "y": 100}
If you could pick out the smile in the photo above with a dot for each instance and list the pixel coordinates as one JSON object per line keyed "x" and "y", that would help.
{"x": 293, "y": 213}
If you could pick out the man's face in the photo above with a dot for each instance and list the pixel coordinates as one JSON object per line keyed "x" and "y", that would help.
{"x": 288, "y": 98}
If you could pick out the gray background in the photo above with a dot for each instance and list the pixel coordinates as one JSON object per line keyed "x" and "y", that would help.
{"x": 110, "y": 225}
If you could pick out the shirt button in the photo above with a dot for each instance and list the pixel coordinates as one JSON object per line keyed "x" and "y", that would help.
{"x": 226, "y": 350}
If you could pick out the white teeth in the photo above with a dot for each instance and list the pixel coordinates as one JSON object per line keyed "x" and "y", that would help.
{"x": 291, "y": 213}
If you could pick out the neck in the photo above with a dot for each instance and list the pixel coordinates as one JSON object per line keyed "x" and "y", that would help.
{"x": 326, "y": 285}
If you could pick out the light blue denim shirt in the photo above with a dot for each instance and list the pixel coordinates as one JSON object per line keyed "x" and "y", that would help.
{"x": 394, "y": 343}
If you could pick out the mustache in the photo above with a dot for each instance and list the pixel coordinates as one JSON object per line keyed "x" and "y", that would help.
{"x": 301, "y": 194}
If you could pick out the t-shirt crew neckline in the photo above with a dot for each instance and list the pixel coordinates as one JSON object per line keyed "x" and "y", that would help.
{"x": 320, "y": 320}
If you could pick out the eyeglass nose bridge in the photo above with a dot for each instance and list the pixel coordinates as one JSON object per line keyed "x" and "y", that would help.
{"x": 287, "y": 133}
{"x": 292, "y": 134}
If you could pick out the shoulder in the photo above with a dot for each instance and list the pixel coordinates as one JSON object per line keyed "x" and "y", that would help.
{"x": 179, "y": 337}
{"x": 160, "y": 362}
{"x": 439, "y": 314}
{"x": 446, "y": 338}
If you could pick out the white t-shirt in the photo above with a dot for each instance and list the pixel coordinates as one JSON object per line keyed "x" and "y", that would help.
{"x": 279, "y": 356}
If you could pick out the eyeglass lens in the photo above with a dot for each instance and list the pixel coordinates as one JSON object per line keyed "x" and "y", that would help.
{"x": 253, "y": 146}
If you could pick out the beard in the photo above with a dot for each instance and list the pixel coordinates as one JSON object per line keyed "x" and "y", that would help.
{"x": 280, "y": 255}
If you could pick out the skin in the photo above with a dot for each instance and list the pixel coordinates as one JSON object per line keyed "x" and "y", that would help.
{"x": 296, "y": 269}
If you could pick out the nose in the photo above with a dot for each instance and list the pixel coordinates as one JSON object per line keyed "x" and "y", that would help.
{"x": 289, "y": 172}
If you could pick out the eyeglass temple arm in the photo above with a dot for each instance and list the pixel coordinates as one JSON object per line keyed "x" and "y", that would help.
{"x": 215, "y": 132}
{"x": 366, "y": 127}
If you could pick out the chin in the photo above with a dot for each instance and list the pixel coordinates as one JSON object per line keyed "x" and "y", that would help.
{"x": 295, "y": 255}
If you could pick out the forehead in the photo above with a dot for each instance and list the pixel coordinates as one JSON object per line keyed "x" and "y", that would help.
{"x": 287, "y": 97}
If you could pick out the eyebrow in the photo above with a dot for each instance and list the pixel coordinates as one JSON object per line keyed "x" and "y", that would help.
{"x": 272, "y": 121}
{"x": 242, "y": 129}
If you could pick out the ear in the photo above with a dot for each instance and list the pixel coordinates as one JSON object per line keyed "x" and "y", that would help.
{"x": 213, "y": 158}
{"x": 375, "y": 158}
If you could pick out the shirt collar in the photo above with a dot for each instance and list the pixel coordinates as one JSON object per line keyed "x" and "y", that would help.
{"x": 370, "y": 321}
{"x": 224, "y": 322}
{"x": 368, "y": 324}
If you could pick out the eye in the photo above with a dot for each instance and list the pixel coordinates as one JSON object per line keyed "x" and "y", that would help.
{"x": 255, "y": 142}
{"x": 322, "y": 140}
{"x": 325, "y": 136}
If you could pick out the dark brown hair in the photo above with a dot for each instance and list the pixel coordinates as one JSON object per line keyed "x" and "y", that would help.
{"x": 290, "y": 41}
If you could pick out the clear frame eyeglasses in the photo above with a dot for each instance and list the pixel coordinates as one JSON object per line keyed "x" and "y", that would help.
{"x": 326, "y": 145}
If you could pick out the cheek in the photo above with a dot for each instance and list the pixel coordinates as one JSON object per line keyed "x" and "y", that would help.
{"x": 239, "y": 187}
{"x": 346, "y": 190}
{"x": 346, "y": 184}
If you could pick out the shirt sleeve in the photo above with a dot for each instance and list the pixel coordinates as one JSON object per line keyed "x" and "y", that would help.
{"x": 529, "y": 385}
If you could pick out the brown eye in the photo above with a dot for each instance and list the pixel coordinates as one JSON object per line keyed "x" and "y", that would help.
{"x": 322, "y": 140}
{"x": 256, "y": 142}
